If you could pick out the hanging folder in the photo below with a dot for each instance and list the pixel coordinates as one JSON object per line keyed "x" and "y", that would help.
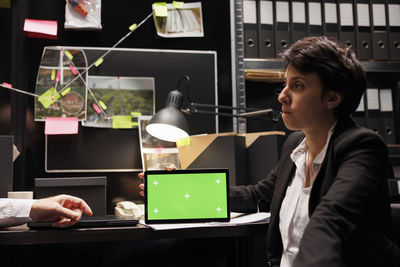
{"x": 373, "y": 109}
{"x": 331, "y": 28}
{"x": 387, "y": 129}
{"x": 266, "y": 39}
{"x": 347, "y": 34}
{"x": 298, "y": 25}
{"x": 250, "y": 28}
{"x": 394, "y": 29}
{"x": 282, "y": 26}
{"x": 314, "y": 18}
{"x": 364, "y": 36}
{"x": 359, "y": 115}
{"x": 380, "y": 45}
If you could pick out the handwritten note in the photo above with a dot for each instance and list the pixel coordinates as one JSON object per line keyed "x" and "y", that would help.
{"x": 132, "y": 27}
{"x": 103, "y": 106}
{"x": 74, "y": 72}
{"x": 7, "y": 85}
{"x": 5, "y": 3}
{"x": 98, "y": 62}
{"x": 46, "y": 29}
{"x": 49, "y": 97}
{"x": 96, "y": 108}
{"x": 177, "y": 4}
{"x": 60, "y": 125}
{"x": 122, "y": 122}
{"x": 160, "y": 9}
{"x": 66, "y": 91}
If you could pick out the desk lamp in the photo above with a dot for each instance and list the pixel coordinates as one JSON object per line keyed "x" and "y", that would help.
{"x": 170, "y": 124}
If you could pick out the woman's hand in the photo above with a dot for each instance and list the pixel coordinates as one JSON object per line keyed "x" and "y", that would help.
{"x": 141, "y": 176}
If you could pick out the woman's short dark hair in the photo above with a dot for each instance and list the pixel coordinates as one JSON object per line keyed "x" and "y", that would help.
{"x": 336, "y": 66}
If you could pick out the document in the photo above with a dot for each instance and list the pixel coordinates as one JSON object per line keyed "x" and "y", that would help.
{"x": 244, "y": 219}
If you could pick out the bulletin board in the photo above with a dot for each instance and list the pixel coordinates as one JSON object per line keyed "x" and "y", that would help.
{"x": 118, "y": 150}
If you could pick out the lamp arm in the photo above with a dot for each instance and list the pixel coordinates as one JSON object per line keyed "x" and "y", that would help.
{"x": 251, "y": 112}
{"x": 195, "y": 105}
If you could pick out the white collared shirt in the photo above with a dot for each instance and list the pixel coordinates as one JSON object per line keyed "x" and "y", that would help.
{"x": 293, "y": 216}
{"x": 14, "y": 211}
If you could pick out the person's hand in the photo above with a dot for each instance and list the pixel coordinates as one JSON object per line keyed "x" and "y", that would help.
{"x": 170, "y": 167}
{"x": 62, "y": 210}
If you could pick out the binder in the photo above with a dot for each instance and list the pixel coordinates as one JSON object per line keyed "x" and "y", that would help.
{"x": 394, "y": 29}
{"x": 347, "y": 34}
{"x": 298, "y": 25}
{"x": 373, "y": 109}
{"x": 331, "y": 28}
{"x": 364, "y": 35}
{"x": 359, "y": 115}
{"x": 387, "y": 129}
{"x": 282, "y": 26}
{"x": 396, "y": 109}
{"x": 380, "y": 45}
{"x": 250, "y": 28}
{"x": 266, "y": 40}
{"x": 314, "y": 9}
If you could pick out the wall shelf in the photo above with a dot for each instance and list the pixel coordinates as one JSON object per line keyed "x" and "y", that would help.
{"x": 277, "y": 64}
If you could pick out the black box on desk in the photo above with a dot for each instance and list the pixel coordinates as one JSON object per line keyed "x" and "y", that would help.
{"x": 226, "y": 150}
{"x": 263, "y": 152}
{"x": 90, "y": 189}
{"x": 6, "y": 164}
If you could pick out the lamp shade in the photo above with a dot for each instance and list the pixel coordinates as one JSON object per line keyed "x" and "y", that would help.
{"x": 169, "y": 123}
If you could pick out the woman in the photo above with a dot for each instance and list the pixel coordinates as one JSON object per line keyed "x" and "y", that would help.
{"x": 328, "y": 195}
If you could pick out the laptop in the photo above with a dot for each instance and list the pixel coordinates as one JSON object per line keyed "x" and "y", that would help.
{"x": 90, "y": 222}
{"x": 193, "y": 195}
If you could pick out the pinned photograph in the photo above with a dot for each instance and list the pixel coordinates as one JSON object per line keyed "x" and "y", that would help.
{"x": 178, "y": 19}
{"x": 115, "y": 102}
{"x": 156, "y": 153}
{"x": 60, "y": 84}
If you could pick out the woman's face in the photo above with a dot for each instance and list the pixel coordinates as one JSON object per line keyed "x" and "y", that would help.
{"x": 303, "y": 107}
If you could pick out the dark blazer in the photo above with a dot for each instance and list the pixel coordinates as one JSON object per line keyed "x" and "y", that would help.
{"x": 350, "y": 222}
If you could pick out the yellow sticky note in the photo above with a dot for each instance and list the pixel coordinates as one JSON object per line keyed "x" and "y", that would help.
{"x": 177, "y": 4}
{"x": 160, "y": 9}
{"x": 135, "y": 123}
{"x": 53, "y": 74}
{"x": 66, "y": 91}
{"x": 122, "y": 122}
{"x": 136, "y": 114}
{"x": 183, "y": 142}
{"x": 49, "y": 97}
{"x": 5, "y": 3}
{"x": 69, "y": 55}
{"x": 98, "y": 62}
{"x": 132, "y": 27}
{"x": 103, "y": 106}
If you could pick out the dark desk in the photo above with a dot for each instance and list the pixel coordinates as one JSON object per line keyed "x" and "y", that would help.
{"x": 239, "y": 238}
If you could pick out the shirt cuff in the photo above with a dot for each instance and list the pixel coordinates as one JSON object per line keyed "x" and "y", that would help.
{"x": 22, "y": 207}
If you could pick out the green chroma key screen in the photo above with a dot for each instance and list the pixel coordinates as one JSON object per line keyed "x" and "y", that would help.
{"x": 187, "y": 196}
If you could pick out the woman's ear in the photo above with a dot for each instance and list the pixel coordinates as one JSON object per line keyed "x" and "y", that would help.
{"x": 334, "y": 98}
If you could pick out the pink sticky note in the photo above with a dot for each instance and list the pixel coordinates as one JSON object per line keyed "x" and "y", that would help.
{"x": 96, "y": 108}
{"x": 74, "y": 72}
{"x": 41, "y": 28}
{"x": 59, "y": 125}
{"x": 7, "y": 85}
{"x": 58, "y": 76}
